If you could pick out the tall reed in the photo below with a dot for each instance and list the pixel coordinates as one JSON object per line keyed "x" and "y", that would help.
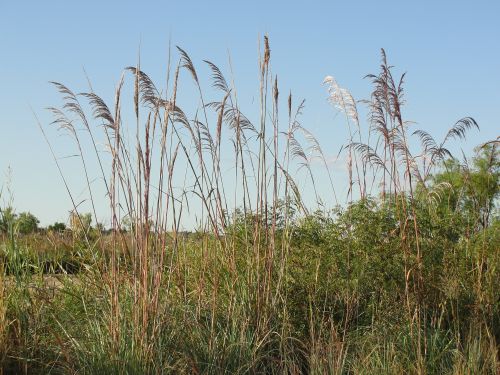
{"x": 265, "y": 283}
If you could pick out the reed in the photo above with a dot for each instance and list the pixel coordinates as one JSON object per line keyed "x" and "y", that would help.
{"x": 398, "y": 277}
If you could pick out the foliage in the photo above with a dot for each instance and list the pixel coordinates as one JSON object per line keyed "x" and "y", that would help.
{"x": 7, "y": 219}
{"x": 27, "y": 223}
{"x": 24, "y": 223}
{"x": 80, "y": 224}
{"x": 57, "y": 227}
{"x": 473, "y": 189}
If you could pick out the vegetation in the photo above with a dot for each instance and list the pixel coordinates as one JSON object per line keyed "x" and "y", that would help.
{"x": 24, "y": 223}
{"x": 402, "y": 278}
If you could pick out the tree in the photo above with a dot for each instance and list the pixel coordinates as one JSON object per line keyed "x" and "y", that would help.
{"x": 57, "y": 227}
{"x": 473, "y": 187}
{"x": 27, "y": 223}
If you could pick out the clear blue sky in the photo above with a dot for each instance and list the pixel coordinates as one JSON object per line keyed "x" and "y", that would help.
{"x": 450, "y": 50}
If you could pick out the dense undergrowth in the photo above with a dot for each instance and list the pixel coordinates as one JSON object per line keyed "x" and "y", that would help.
{"x": 404, "y": 280}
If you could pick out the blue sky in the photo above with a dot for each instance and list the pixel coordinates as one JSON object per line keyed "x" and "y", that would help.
{"x": 449, "y": 50}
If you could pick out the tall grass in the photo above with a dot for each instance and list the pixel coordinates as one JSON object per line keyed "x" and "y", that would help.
{"x": 267, "y": 283}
